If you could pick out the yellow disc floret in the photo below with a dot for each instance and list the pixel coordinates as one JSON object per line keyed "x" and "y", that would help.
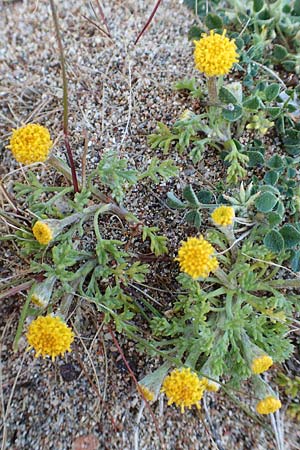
{"x": 49, "y": 336}
{"x": 149, "y": 395}
{"x": 42, "y": 232}
{"x": 184, "y": 388}
{"x": 223, "y": 216}
{"x": 215, "y": 54}
{"x": 261, "y": 363}
{"x": 30, "y": 143}
{"x": 196, "y": 258}
{"x": 268, "y": 405}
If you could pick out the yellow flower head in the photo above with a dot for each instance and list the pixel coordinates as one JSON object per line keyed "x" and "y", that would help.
{"x": 261, "y": 363}
{"x": 184, "y": 388}
{"x": 49, "y": 336}
{"x": 268, "y": 405}
{"x": 196, "y": 258}
{"x": 223, "y": 216}
{"x": 30, "y": 143}
{"x": 149, "y": 395}
{"x": 215, "y": 54}
{"x": 42, "y": 232}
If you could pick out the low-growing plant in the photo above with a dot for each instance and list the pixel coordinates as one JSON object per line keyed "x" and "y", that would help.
{"x": 68, "y": 246}
{"x": 263, "y": 23}
{"x": 261, "y": 208}
{"x": 231, "y": 319}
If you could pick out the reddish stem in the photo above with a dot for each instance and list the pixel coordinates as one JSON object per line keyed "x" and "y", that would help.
{"x": 103, "y": 17}
{"x": 136, "y": 383}
{"x": 148, "y": 21}
{"x": 65, "y": 97}
{"x": 71, "y": 162}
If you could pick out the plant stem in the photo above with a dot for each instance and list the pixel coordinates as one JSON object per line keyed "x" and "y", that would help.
{"x": 148, "y": 21}
{"x": 120, "y": 211}
{"x": 289, "y": 283}
{"x": 212, "y": 90}
{"x": 65, "y": 97}
{"x": 221, "y": 275}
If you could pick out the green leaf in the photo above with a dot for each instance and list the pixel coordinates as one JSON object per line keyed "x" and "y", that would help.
{"x": 274, "y": 111}
{"x": 195, "y": 33}
{"x": 296, "y": 10}
{"x": 290, "y": 235}
{"x": 236, "y": 89}
{"x": 193, "y": 218}
{"x": 274, "y": 218}
{"x": 225, "y": 96}
{"x": 271, "y": 177}
{"x": 289, "y": 65}
{"x": 158, "y": 244}
{"x": 213, "y": 22}
{"x": 266, "y": 202}
{"x": 23, "y": 316}
{"x": 174, "y": 202}
{"x": 275, "y": 162}
{"x": 258, "y": 5}
{"x": 204, "y": 196}
{"x": 190, "y": 195}
{"x": 255, "y": 158}
{"x": 64, "y": 255}
{"x": 165, "y": 169}
{"x": 162, "y": 138}
{"x": 269, "y": 188}
{"x": 187, "y": 84}
{"x": 274, "y": 241}
{"x": 233, "y": 113}
{"x": 295, "y": 261}
{"x": 113, "y": 172}
{"x": 272, "y": 91}
{"x": 279, "y": 52}
{"x": 252, "y": 104}
{"x": 280, "y": 209}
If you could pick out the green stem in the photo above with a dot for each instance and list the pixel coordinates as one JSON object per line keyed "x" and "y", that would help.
{"x": 289, "y": 283}
{"x": 221, "y": 275}
{"x": 228, "y": 305}
{"x": 21, "y": 323}
{"x": 101, "y": 210}
{"x": 212, "y": 90}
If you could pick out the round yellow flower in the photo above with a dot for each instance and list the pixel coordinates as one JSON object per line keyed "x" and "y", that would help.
{"x": 49, "y": 336}
{"x": 184, "y": 388}
{"x": 215, "y": 54}
{"x": 30, "y": 143}
{"x": 42, "y": 232}
{"x": 223, "y": 216}
{"x": 268, "y": 405}
{"x": 261, "y": 364}
{"x": 149, "y": 395}
{"x": 195, "y": 257}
